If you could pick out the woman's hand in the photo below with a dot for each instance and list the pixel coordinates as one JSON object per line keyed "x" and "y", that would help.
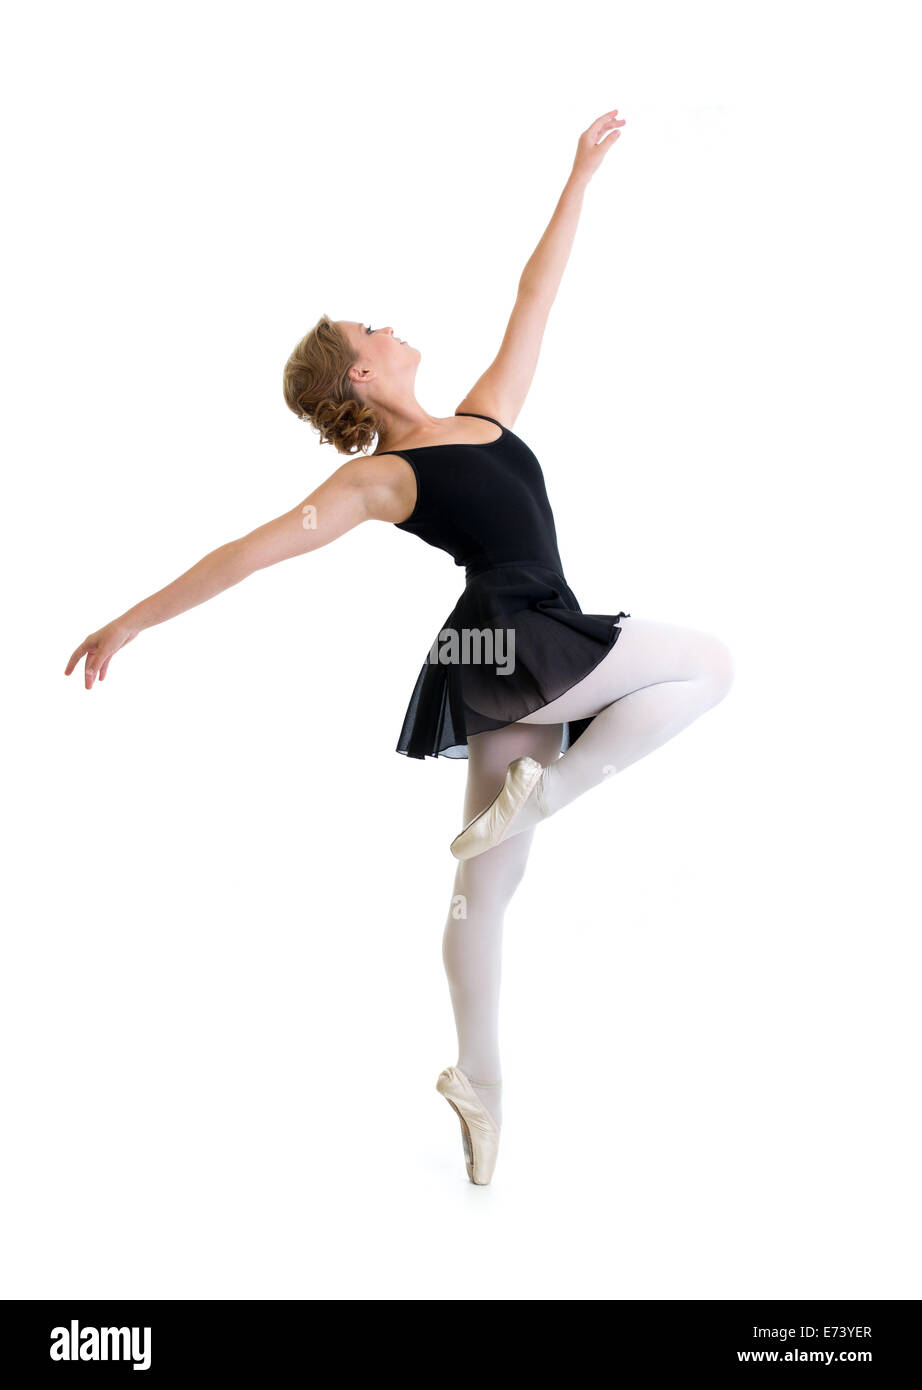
{"x": 594, "y": 144}
{"x": 99, "y": 649}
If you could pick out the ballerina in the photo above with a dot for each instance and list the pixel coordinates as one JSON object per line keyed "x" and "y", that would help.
{"x": 542, "y": 700}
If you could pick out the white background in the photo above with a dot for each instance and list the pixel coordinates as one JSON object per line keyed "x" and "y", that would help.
{"x": 223, "y": 1006}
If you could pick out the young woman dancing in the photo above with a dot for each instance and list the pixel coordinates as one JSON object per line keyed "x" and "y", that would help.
{"x": 542, "y": 700}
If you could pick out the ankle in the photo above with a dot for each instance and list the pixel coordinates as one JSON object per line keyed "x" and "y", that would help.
{"x": 539, "y": 792}
{"x": 535, "y": 809}
{"x": 490, "y": 1095}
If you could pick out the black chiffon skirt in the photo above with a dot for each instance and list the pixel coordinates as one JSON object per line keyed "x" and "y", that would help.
{"x": 520, "y": 641}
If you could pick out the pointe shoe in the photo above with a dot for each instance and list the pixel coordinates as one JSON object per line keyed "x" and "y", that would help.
{"x": 490, "y": 826}
{"x": 479, "y": 1130}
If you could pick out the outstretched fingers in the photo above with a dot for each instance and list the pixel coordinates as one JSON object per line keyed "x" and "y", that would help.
{"x": 87, "y": 648}
{"x": 604, "y": 126}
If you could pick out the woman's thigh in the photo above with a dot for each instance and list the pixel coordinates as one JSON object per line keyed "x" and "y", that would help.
{"x": 646, "y": 653}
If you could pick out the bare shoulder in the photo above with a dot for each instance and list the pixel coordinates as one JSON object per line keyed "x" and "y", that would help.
{"x": 387, "y": 484}
{"x": 480, "y": 402}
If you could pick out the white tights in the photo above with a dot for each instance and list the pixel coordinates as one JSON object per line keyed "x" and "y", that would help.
{"x": 656, "y": 680}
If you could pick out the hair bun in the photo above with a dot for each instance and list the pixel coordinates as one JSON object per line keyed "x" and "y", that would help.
{"x": 348, "y": 425}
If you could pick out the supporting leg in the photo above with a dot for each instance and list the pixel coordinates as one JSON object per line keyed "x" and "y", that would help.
{"x": 483, "y": 888}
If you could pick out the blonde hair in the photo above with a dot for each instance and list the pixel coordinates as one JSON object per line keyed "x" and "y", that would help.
{"x": 317, "y": 388}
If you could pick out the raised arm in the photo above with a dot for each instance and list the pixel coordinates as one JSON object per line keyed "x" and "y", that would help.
{"x": 363, "y": 489}
{"x": 502, "y": 389}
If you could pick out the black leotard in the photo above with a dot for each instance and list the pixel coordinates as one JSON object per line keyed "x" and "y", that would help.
{"x": 486, "y": 504}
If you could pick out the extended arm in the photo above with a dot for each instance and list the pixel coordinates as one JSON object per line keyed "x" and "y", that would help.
{"x": 361, "y": 490}
{"x": 502, "y": 389}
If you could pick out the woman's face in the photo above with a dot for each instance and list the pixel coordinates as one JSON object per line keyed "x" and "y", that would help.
{"x": 380, "y": 353}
